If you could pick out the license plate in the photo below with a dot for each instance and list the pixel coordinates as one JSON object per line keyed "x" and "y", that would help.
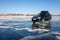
{"x": 46, "y": 22}
{"x": 37, "y": 22}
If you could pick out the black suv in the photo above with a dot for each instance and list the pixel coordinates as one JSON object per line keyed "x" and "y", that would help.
{"x": 42, "y": 20}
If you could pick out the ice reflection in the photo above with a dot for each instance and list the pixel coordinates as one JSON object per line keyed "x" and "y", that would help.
{"x": 21, "y": 30}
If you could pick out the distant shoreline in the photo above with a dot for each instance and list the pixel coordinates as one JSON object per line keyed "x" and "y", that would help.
{"x": 21, "y": 15}
{"x": 17, "y": 14}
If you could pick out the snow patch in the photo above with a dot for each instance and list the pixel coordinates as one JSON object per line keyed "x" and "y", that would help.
{"x": 33, "y": 30}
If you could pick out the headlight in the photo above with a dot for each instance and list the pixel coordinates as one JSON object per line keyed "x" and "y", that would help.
{"x": 34, "y": 19}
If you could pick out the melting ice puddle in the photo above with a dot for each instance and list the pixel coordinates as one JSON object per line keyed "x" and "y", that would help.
{"x": 34, "y": 37}
{"x": 45, "y": 32}
{"x": 56, "y": 34}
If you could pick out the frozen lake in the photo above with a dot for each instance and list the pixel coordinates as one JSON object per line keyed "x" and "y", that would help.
{"x": 21, "y": 29}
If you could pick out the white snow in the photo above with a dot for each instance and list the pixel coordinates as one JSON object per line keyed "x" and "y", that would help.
{"x": 57, "y": 34}
{"x": 58, "y": 37}
{"x": 5, "y": 27}
{"x": 33, "y": 30}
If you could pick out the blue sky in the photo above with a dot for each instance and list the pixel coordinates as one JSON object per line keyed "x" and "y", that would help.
{"x": 29, "y": 6}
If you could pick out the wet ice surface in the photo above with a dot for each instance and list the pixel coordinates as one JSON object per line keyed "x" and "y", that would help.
{"x": 22, "y": 30}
